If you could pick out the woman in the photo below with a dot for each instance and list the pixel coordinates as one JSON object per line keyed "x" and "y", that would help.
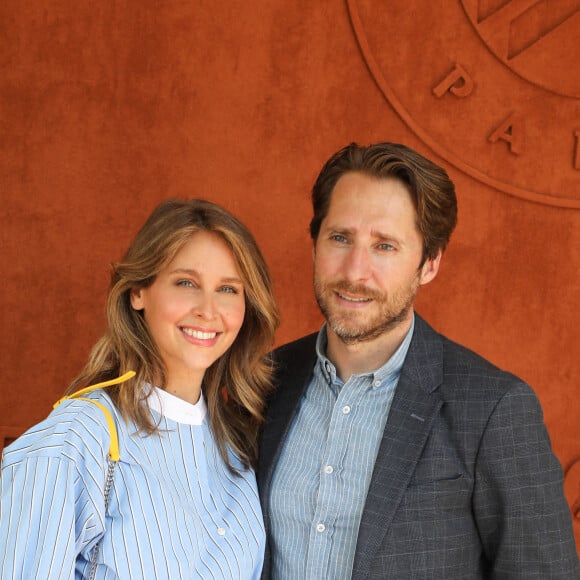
{"x": 191, "y": 312}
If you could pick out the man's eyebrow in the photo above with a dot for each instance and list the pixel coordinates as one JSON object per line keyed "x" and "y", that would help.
{"x": 383, "y": 236}
{"x": 339, "y": 229}
{"x": 346, "y": 230}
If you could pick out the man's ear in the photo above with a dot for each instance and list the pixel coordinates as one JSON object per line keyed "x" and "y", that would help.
{"x": 136, "y": 296}
{"x": 430, "y": 268}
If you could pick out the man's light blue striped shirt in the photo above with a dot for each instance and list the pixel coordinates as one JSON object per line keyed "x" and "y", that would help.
{"x": 321, "y": 481}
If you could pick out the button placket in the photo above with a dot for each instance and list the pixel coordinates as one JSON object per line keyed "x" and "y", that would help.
{"x": 327, "y": 492}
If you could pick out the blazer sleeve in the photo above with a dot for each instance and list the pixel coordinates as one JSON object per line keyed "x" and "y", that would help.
{"x": 520, "y": 509}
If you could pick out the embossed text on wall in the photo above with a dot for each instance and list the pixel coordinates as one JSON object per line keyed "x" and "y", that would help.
{"x": 494, "y": 87}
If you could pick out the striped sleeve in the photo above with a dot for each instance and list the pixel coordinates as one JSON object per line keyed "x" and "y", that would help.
{"x": 51, "y": 501}
{"x": 37, "y": 520}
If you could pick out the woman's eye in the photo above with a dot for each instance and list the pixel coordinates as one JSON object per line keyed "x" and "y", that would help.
{"x": 186, "y": 283}
{"x": 229, "y": 289}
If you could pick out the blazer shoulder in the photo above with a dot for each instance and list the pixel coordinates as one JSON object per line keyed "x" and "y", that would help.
{"x": 295, "y": 352}
{"x": 469, "y": 376}
{"x": 460, "y": 367}
{"x": 461, "y": 359}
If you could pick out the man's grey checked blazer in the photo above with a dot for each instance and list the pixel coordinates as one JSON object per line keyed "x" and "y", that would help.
{"x": 465, "y": 484}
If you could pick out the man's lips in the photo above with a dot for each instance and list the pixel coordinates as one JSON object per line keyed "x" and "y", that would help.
{"x": 353, "y": 294}
{"x": 353, "y": 299}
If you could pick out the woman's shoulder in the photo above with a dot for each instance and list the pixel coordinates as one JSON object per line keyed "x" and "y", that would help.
{"x": 75, "y": 429}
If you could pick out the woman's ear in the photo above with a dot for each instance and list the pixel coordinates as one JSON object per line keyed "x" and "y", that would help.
{"x": 136, "y": 296}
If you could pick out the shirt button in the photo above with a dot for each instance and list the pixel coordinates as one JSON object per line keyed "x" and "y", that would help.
{"x": 346, "y": 409}
{"x": 328, "y": 469}
{"x": 377, "y": 384}
{"x": 320, "y": 528}
{"x": 221, "y": 531}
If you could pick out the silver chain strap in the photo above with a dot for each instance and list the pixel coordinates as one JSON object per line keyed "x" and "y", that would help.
{"x": 108, "y": 485}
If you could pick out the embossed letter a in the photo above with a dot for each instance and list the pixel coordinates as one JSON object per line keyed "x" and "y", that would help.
{"x": 507, "y": 131}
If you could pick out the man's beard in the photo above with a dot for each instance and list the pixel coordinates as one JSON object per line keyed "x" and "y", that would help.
{"x": 354, "y": 326}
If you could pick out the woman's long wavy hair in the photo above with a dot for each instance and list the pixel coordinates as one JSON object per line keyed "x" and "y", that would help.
{"x": 236, "y": 385}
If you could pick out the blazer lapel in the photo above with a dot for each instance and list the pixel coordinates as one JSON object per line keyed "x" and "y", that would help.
{"x": 293, "y": 369}
{"x": 414, "y": 407}
{"x": 293, "y": 366}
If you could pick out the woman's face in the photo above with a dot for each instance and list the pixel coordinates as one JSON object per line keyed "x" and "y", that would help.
{"x": 194, "y": 309}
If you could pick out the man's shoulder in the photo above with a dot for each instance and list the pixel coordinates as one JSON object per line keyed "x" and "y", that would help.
{"x": 293, "y": 362}
{"x": 461, "y": 356}
{"x": 299, "y": 348}
{"x": 462, "y": 366}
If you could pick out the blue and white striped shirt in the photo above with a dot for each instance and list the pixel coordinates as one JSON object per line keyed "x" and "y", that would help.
{"x": 175, "y": 509}
{"x": 322, "y": 478}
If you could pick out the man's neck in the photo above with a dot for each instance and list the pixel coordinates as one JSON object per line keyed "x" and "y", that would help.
{"x": 365, "y": 356}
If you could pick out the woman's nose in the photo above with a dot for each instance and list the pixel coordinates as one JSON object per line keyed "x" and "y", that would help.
{"x": 204, "y": 306}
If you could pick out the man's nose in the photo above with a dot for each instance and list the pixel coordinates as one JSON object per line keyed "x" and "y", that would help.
{"x": 357, "y": 265}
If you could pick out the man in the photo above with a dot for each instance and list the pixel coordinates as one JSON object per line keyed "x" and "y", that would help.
{"x": 390, "y": 451}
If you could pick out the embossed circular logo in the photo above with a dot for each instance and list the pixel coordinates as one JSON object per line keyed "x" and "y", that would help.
{"x": 492, "y": 86}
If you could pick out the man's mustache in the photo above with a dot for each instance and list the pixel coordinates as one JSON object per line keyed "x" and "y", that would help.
{"x": 360, "y": 290}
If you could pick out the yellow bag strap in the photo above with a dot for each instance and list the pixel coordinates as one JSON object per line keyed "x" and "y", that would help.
{"x": 114, "y": 453}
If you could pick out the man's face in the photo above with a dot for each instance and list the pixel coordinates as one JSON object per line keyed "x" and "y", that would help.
{"x": 367, "y": 257}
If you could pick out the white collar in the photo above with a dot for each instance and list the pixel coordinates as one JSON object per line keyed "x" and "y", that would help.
{"x": 177, "y": 409}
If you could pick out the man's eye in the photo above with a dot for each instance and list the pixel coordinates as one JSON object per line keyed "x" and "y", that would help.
{"x": 338, "y": 238}
{"x": 386, "y": 247}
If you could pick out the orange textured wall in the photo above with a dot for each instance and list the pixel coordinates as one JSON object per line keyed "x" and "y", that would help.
{"x": 109, "y": 107}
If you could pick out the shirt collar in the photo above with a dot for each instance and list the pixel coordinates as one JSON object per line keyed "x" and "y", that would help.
{"x": 176, "y": 409}
{"x": 391, "y": 368}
